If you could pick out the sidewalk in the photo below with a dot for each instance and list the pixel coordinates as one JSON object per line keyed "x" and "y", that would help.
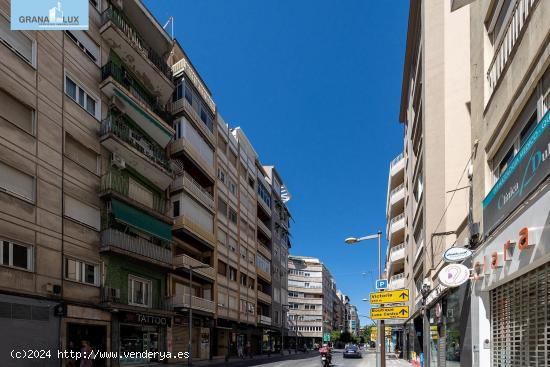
{"x": 238, "y": 362}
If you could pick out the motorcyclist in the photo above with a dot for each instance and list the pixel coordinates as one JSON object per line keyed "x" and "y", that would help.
{"x": 327, "y": 351}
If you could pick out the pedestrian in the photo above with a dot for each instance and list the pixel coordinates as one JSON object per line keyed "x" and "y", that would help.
{"x": 248, "y": 349}
{"x": 86, "y": 360}
{"x": 240, "y": 351}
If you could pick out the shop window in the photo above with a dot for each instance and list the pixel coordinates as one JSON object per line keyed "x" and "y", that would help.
{"x": 81, "y": 271}
{"x": 139, "y": 291}
{"x": 16, "y": 255}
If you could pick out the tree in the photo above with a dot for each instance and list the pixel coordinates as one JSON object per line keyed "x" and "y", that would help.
{"x": 335, "y": 336}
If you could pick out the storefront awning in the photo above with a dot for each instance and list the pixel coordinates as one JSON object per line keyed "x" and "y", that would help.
{"x": 140, "y": 220}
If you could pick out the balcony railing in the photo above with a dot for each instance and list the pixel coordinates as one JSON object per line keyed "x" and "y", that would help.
{"x": 397, "y": 277}
{"x": 114, "y": 238}
{"x": 396, "y": 219}
{"x": 125, "y": 78}
{"x": 182, "y": 103}
{"x": 119, "y": 296}
{"x": 264, "y": 297}
{"x": 120, "y": 21}
{"x": 186, "y": 181}
{"x": 117, "y": 182}
{"x": 264, "y": 319}
{"x": 264, "y": 228}
{"x": 396, "y": 189}
{"x": 193, "y": 302}
{"x": 185, "y": 261}
{"x": 514, "y": 28}
{"x": 120, "y": 127}
{"x": 394, "y": 249}
{"x": 396, "y": 160}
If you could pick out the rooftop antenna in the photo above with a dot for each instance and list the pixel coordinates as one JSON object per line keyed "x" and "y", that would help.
{"x": 171, "y": 21}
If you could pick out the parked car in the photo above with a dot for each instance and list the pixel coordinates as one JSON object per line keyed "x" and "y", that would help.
{"x": 352, "y": 352}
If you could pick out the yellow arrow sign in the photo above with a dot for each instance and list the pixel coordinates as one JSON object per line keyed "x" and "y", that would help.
{"x": 378, "y": 298}
{"x": 383, "y": 313}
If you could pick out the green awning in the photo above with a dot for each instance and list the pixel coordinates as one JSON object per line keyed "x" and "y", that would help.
{"x": 140, "y": 220}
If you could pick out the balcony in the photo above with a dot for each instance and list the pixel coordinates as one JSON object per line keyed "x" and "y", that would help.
{"x": 263, "y": 274}
{"x": 503, "y": 50}
{"x": 186, "y": 146}
{"x": 264, "y": 229}
{"x": 115, "y": 181}
{"x": 114, "y": 240}
{"x": 397, "y": 281}
{"x": 189, "y": 224}
{"x": 193, "y": 302}
{"x": 264, "y": 320}
{"x": 188, "y": 183}
{"x": 397, "y": 229}
{"x": 185, "y": 261}
{"x": 265, "y": 206}
{"x": 183, "y": 66}
{"x": 183, "y": 105}
{"x": 396, "y": 201}
{"x": 397, "y": 253}
{"x": 115, "y": 297}
{"x": 312, "y": 290}
{"x": 397, "y": 169}
{"x": 264, "y": 297}
{"x": 127, "y": 94}
{"x": 138, "y": 152}
{"x": 264, "y": 250}
{"x": 125, "y": 40}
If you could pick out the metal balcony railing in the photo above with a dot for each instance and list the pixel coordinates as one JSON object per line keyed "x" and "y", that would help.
{"x": 121, "y": 22}
{"x": 264, "y": 319}
{"x": 125, "y": 78}
{"x": 113, "y": 238}
{"x": 184, "y": 180}
{"x": 118, "y": 126}
{"x": 196, "y": 303}
{"x": 114, "y": 180}
{"x": 185, "y": 261}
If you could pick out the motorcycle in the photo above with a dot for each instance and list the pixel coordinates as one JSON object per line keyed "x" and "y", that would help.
{"x": 325, "y": 359}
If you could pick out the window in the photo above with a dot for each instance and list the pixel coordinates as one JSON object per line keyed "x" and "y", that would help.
{"x": 232, "y": 215}
{"x": 222, "y": 207}
{"x": 139, "y": 291}
{"x": 232, "y": 186}
{"x": 418, "y": 187}
{"x": 16, "y": 255}
{"x": 222, "y": 268}
{"x": 251, "y": 182}
{"x": 18, "y": 41}
{"x": 16, "y": 182}
{"x": 222, "y": 237}
{"x": 80, "y": 271}
{"x": 176, "y": 208}
{"x": 80, "y": 96}
{"x": 81, "y": 212}
{"x": 233, "y": 158}
{"x": 232, "y": 244}
{"x": 232, "y": 273}
{"x": 86, "y": 44}
{"x": 309, "y": 307}
{"x": 243, "y": 252}
{"x": 222, "y": 145}
{"x": 251, "y": 283}
{"x": 82, "y": 155}
{"x": 293, "y": 306}
{"x": 263, "y": 264}
{"x": 497, "y": 25}
{"x": 221, "y": 175}
{"x": 243, "y": 279}
{"x": 17, "y": 113}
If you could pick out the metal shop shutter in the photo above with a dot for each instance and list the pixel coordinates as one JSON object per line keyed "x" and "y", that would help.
{"x": 520, "y": 325}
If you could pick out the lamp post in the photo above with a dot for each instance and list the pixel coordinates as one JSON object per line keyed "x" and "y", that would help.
{"x": 191, "y": 268}
{"x": 381, "y": 328}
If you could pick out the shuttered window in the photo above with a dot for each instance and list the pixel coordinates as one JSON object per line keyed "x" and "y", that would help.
{"x": 17, "y": 41}
{"x": 81, "y": 154}
{"x": 16, "y": 182}
{"x": 85, "y": 43}
{"x": 197, "y": 213}
{"x": 82, "y": 212}
{"x": 520, "y": 323}
{"x": 16, "y": 112}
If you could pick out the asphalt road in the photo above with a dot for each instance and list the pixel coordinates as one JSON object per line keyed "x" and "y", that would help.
{"x": 314, "y": 360}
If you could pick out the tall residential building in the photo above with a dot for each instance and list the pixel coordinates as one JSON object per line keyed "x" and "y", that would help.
{"x": 127, "y": 201}
{"x": 510, "y": 302}
{"x": 311, "y": 293}
{"x": 433, "y": 169}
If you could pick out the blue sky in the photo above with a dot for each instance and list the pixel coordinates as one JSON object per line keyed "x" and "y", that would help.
{"x": 315, "y": 84}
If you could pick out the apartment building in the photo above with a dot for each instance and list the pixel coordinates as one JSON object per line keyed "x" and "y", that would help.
{"x": 510, "y": 88}
{"x": 311, "y": 294}
{"x": 354, "y": 322}
{"x": 429, "y": 213}
{"x": 127, "y": 200}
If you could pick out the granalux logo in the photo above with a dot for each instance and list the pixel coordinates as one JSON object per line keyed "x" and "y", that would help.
{"x": 49, "y": 15}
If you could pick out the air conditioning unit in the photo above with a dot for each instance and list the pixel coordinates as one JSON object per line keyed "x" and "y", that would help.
{"x": 118, "y": 161}
{"x": 53, "y": 288}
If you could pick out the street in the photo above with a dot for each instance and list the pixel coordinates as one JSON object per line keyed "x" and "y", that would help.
{"x": 313, "y": 360}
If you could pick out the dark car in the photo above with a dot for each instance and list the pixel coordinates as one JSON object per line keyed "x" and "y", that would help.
{"x": 352, "y": 352}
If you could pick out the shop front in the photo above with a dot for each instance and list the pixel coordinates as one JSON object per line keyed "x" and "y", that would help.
{"x": 139, "y": 336}
{"x": 511, "y": 300}
{"x": 200, "y": 337}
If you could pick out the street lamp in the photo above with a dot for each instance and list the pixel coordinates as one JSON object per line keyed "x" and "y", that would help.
{"x": 381, "y": 329}
{"x": 191, "y": 268}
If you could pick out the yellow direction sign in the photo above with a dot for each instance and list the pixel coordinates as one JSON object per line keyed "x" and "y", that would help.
{"x": 379, "y": 298}
{"x": 383, "y": 313}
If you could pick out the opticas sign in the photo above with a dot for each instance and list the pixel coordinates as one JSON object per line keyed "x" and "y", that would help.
{"x": 526, "y": 171}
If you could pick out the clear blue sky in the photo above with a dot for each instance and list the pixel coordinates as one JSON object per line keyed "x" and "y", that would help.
{"x": 315, "y": 84}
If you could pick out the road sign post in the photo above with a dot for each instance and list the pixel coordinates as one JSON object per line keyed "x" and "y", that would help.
{"x": 378, "y": 298}
{"x": 381, "y": 284}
